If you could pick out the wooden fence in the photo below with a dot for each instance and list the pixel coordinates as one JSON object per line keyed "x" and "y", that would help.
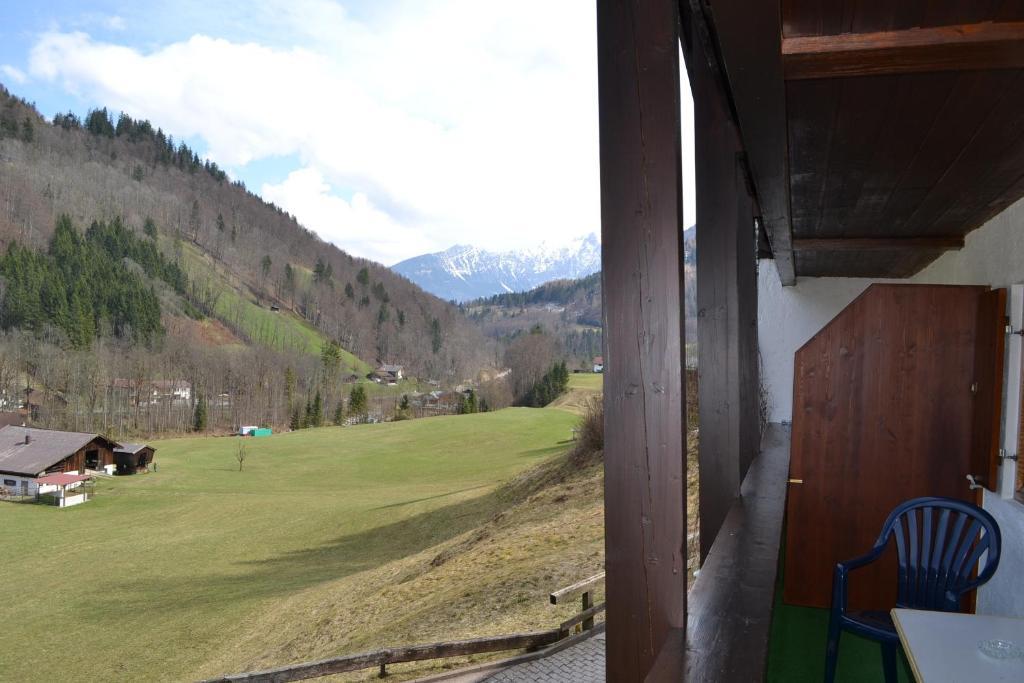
{"x": 455, "y": 648}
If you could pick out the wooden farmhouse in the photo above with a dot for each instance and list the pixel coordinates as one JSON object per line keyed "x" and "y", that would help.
{"x": 27, "y": 454}
{"x": 133, "y": 457}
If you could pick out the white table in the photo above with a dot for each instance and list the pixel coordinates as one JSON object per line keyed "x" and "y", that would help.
{"x": 943, "y": 647}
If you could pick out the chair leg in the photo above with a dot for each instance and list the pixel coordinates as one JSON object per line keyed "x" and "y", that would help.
{"x": 832, "y": 649}
{"x": 889, "y": 662}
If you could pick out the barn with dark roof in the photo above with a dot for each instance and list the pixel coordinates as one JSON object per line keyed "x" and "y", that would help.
{"x": 27, "y": 453}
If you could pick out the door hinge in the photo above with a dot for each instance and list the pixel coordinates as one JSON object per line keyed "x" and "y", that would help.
{"x": 974, "y": 387}
{"x": 1010, "y": 330}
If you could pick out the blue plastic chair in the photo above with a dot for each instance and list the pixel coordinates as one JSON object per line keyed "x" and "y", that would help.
{"x": 936, "y": 561}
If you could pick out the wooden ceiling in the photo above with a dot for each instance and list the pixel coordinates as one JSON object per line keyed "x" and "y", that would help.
{"x": 878, "y": 132}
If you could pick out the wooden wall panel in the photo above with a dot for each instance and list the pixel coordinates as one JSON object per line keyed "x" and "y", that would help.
{"x": 882, "y": 412}
{"x": 644, "y": 397}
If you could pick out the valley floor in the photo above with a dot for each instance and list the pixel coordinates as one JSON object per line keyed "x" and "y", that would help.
{"x": 330, "y": 541}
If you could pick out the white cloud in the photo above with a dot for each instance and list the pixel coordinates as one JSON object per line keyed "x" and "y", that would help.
{"x": 453, "y": 121}
{"x": 307, "y": 195}
{"x": 115, "y": 23}
{"x": 13, "y": 73}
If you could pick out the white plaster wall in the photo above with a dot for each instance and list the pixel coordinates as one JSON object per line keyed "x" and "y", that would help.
{"x": 1004, "y": 594}
{"x": 19, "y": 482}
{"x": 788, "y": 316}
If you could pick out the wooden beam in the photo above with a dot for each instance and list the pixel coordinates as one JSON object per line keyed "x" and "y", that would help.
{"x": 726, "y": 303}
{"x": 642, "y": 273}
{"x": 962, "y": 47}
{"x": 749, "y": 36}
{"x": 838, "y": 244}
{"x": 731, "y": 601}
{"x": 562, "y": 594}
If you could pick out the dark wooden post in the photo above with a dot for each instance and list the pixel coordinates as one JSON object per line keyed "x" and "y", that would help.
{"x": 644, "y": 396}
{"x": 728, "y": 385}
{"x": 587, "y": 602}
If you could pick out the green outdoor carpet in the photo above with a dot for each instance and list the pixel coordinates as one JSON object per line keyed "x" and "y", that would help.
{"x": 796, "y": 647}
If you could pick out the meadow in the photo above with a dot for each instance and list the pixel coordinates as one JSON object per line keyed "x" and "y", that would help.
{"x": 199, "y": 568}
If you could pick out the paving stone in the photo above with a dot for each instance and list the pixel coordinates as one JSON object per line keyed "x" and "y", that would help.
{"x": 583, "y": 663}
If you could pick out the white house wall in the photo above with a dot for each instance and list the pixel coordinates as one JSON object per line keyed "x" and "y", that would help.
{"x": 993, "y": 255}
{"x": 19, "y": 482}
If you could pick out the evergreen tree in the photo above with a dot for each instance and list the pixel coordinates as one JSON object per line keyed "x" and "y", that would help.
{"x": 339, "y": 413}
{"x": 322, "y": 272}
{"x": 357, "y": 402}
{"x": 330, "y": 356}
{"x": 80, "y": 285}
{"x": 149, "y": 228}
{"x": 349, "y": 292}
{"x": 289, "y": 387}
{"x": 289, "y": 278}
{"x": 468, "y": 403}
{"x": 435, "y": 335}
{"x": 316, "y": 414}
{"x": 296, "y": 419}
{"x": 553, "y": 384}
{"x": 28, "y": 132}
{"x": 199, "y": 417}
{"x": 98, "y": 123}
{"x": 363, "y": 277}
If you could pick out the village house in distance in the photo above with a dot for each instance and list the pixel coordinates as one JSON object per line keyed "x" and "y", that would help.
{"x": 38, "y": 461}
{"x": 388, "y": 374}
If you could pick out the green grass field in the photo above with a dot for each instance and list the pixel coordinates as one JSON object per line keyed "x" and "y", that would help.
{"x": 590, "y": 381}
{"x": 174, "y": 573}
{"x": 584, "y": 387}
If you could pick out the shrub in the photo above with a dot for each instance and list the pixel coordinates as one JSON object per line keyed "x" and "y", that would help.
{"x": 590, "y": 442}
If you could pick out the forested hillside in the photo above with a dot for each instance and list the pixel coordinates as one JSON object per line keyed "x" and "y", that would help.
{"x": 128, "y": 256}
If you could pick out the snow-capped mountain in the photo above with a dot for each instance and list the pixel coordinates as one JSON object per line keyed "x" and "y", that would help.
{"x": 465, "y": 272}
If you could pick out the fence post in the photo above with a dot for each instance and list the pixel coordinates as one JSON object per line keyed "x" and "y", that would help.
{"x": 383, "y": 670}
{"x": 588, "y": 602}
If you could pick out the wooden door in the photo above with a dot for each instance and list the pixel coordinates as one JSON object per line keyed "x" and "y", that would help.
{"x": 883, "y": 411}
{"x": 988, "y": 386}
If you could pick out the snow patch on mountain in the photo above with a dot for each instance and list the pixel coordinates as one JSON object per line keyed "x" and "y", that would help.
{"x": 465, "y": 272}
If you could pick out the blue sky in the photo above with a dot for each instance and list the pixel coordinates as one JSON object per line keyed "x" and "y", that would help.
{"x": 390, "y": 127}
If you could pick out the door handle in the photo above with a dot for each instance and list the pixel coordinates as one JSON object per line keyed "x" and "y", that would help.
{"x": 796, "y": 481}
{"x": 975, "y": 481}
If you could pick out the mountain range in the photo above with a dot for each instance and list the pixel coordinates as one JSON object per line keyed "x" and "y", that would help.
{"x": 465, "y": 272}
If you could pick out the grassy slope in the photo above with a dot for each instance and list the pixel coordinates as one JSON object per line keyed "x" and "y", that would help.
{"x": 201, "y": 569}
{"x": 281, "y": 330}
{"x": 583, "y": 387}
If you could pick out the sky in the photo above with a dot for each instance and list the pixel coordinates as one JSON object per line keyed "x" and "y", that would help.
{"x": 391, "y": 128}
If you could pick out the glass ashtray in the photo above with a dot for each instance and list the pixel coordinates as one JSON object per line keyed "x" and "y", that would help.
{"x": 1000, "y": 649}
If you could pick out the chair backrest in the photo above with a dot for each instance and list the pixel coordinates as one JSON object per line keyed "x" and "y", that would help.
{"x": 939, "y": 542}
